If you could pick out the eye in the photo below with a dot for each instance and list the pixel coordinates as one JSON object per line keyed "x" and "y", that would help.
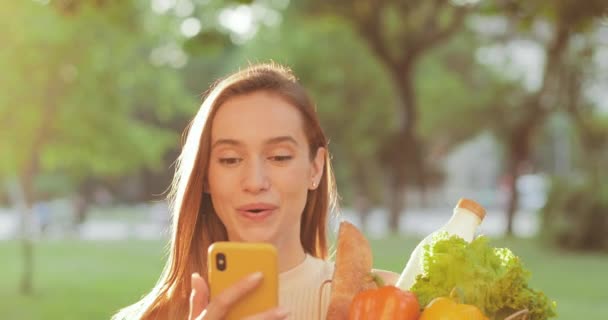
{"x": 230, "y": 161}
{"x": 281, "y": 158}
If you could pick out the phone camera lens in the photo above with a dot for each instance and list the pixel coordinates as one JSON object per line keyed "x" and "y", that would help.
{"x": 220, "y": 261}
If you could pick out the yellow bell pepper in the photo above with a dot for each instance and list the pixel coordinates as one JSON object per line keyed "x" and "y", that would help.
{"x": 445, "y": 308}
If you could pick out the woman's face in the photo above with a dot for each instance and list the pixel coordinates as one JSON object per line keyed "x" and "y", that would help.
{"x": 260, "y": 169}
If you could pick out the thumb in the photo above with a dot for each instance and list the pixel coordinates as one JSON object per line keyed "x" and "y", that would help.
{"x": 199, "y": 296}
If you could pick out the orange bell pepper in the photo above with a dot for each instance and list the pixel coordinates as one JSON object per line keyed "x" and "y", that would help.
{"x": 384, "y": 303}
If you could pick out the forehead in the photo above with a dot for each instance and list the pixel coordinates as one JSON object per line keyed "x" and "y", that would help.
{"x": 257, "y": 116}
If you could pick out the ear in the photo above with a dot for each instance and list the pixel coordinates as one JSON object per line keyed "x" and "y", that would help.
{"x": 318, "y": 165}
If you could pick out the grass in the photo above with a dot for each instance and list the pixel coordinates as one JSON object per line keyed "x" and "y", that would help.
{"x": 91, "y": 280}
{"x": 78, "y": 279}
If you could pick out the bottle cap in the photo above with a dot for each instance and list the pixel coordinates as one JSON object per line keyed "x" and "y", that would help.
{"x": 472, "y": 206}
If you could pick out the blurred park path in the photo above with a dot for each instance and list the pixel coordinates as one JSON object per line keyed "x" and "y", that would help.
{"x": 415, "y": 222}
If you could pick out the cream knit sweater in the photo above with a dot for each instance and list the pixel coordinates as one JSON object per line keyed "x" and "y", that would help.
{"x": 300, "y": 289}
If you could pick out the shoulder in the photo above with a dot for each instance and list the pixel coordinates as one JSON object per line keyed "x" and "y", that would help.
{"x": 325, "y": 266}
{"x": 389, "y": 277}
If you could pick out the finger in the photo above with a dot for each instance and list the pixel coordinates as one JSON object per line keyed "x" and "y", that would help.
{"x": 220, "y": 305}
{"x": 201, "y": 288}
{"x": 199, "y": 296}
{"x": 272, "y": 314}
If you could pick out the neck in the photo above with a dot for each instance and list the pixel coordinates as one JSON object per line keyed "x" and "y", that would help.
{"x": 290, "y": 251}
{"x": 291, "y": 260}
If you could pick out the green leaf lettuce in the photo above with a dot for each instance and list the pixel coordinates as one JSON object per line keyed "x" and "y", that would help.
{"x": 493, "y": 279}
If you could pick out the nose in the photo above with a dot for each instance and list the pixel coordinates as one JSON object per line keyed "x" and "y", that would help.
{"x": 255, "y": 177}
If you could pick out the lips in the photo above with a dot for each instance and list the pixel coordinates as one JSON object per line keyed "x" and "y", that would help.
{"x": 257, "y": 211}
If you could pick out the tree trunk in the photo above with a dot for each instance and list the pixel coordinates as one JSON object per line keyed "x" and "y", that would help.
{"x": 27, "y": 247}
{"x": 521, "y": 135}
{"x": 518, "y": 153}
{"x": 402, "y": 153}
{"x": 362, "y": 201}
{"x": 513, "y": 199}
{"x": 396, "y": 203}
{"x": 28, "y": 173}
{"x": 424, "y": 196}
{"x": 80, "y": 205}
{"x": 363, "y": 208}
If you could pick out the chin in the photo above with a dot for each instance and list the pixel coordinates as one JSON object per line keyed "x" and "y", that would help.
{"x": 257, "y": 235}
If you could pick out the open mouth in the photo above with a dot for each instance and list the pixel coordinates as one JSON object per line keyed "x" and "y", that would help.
{"x": 257, "y": 214}
{"x": 257, "y": 211}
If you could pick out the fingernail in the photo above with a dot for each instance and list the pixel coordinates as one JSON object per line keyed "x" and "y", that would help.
{"x": 192, "y": 279}
{"x": 282, "y": 312}
{"x": 256, "y": 276}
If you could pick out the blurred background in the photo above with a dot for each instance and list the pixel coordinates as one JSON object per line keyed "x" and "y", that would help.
{"x": 424, "y": 102}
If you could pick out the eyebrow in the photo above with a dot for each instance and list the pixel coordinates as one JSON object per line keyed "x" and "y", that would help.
{"x": 237, "y": 143}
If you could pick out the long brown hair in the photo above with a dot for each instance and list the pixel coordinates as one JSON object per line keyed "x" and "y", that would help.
{"x": 195, "y": 224}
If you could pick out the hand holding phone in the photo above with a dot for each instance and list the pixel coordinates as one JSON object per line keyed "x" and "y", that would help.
{"x": 243, "y": 283}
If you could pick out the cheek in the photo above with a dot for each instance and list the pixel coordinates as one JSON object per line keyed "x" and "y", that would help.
{"x": 221, "y": 187}
{"x": 220, "y": 179}
{"x": 293, "y": 184}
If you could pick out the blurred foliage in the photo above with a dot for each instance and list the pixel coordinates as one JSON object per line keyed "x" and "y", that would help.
{"x": 576, "y": 215}
{"x": 98, "y": 90}
{"x": 400, "y": 33}
{"x": 520, "y": 111}
{"x": 82, "y": 89}
{"x": 454, "y": 96}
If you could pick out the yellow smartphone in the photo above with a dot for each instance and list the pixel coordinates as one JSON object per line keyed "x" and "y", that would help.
{"x": 229, "y": 262}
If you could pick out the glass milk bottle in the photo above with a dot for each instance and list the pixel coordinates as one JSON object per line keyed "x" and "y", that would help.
{"x": 467, "y": 216}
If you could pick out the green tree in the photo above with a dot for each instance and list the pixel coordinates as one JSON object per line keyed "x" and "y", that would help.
{"x": 576, "y": 213}
{"x": 78, "y": 86}
{"x": 400, "y": 33}
{"x": 454, "y": 97}
{"x": 519, "y": 113}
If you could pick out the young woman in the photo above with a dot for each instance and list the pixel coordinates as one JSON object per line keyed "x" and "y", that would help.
{"x": 254, "y": 167}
